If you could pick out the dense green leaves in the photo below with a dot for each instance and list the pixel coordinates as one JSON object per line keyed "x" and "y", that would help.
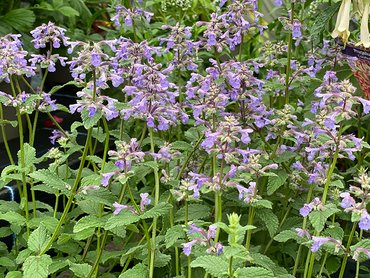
{"x": 37, "y": 266}
{"x": 216, "y": 266}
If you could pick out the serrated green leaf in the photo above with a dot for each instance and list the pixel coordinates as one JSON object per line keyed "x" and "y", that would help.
{"x": 38, "y": 239}
{"x": 89, "y": 122}
{"x": 68, "y": 11}
{"x": 266, "y": 262}
{"x": 323, "y": 18}
{"x": 20, "y": 19}
{"x": 181, "y": 146}
{"x": 274, "y": 182}
{"x": 365, "y": 243}
{"x": 138, "y": 271}
{"x": 51, "y": 179}
{"x": 57, "y": 265}
{"x": 7, "y": 262}
{"x": 270, "y": 219}
{"x": 89, "y": 221}
{"x": 195, "y": 212}
{"x": 80, "y": 270}
{"x": 23, "y": 255}
{"x": 215, "y": 266}
{"x": 286, "y": 235}
{"x": 13, "y": 218}
{"x": 37, "y": 266}
{"x": 124, "y": 218}
{"x": 318, "y": 217}
{"x": 159, "y": 210}
{"x": 14, "y": 274}
{"x": 173, "y": 234}
{"x": 255, "y": 272}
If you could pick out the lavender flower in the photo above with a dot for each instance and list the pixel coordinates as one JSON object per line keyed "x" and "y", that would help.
{"x": 126, "y": 154}
{"x": 49, "y": 33}
{"x": 188, "y": 246}
{"x": 319, "y": 241}
{"x": 307, "y": 208}
{"x": 106, "y": 178}
{"x": 206, "y": 238}
{"x": 13, "y": 58}
{"x": 56, "y": 134}
{"x": 364, "y": 223}
{"x": 128, "y": 15}
{"x": 144, "y": 200}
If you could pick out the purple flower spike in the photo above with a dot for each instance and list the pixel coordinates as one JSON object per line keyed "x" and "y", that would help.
{"x": 305, "y": 210}
{"x": 318, "y": 241}
{"x": 106, "y": 178}
{"x": 118, "y": 207}
{"x": 347, "y": 200}
{"x": 188, "y": 246}
{"x": 55, "y": 134}
{"x": 364, "y": 223}
{"x": 144, "y": 200}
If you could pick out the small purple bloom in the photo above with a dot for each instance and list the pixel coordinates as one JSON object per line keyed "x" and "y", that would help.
{"x": 305, "y": 210}
{"x": 278, "y": 3}
{"x": 55, "y": 134}
{"x": 347, "y": 200}
{"x": 188, "y": 246}
{"x": 118, "y": 207}
{"x": 364, "y": 223}
{"x": 144, "y": 200}
{"x": 106, "y": 178}
{"x": 318, "y": 241}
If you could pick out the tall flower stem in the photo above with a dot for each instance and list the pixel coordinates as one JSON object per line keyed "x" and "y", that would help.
{"x": 22, "y": 159}
{"x": 156, "y": 201}
{"x": 325, "y": 194}
{"x": 3, "y": 134}
{"x": 71, "y": 195}
{"x": 358, "y": 261}
{"x": 289, "y": 57}
{"x": 297, "y": 259}
{"x": 345, "y": 258}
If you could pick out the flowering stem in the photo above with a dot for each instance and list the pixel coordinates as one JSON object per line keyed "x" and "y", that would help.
{"x": 297, "y": 259}
{"x": 344, "y": 262}
{"x": 231, "y": 274}
{"x": 289, "y": 57}
{"x": 3, "y": 134}
{"x": 186, "y": 225}
{"x": 22, "y": 162}
{"x": 325, "y": 194}
{"x": 323, "y": 264}
{"x": 251, "y": 213}
{"x": 358, "y": 261}
{"x": 71, "y": 195}
{"x": 156, "y": 201}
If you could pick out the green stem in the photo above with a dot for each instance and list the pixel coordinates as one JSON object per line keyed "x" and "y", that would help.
{"x": 323, "y": 264}
{"x": 348, "y": 250}
{"x": 297, "y": 259}
{"x": 231, "y": 274}
{"x": 358, "y": 261}
{"x": 289, "y": 57}
{"x": 325, "y": 193}
{"x": 156, "y": 201}
{"x": 71, "y": 195}
{"x": 186, "y": 225}
{"x": 22, "y": 158}
{"x": 3, "y": 134}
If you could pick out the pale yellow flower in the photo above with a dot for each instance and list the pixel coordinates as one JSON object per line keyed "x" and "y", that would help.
{"x": 342, "y": 25}
{"x": 364, "y": 33}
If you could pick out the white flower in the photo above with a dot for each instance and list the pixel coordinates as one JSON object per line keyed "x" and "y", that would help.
{"x": 364, "y": 34}
{"x": 342, "y": 25}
